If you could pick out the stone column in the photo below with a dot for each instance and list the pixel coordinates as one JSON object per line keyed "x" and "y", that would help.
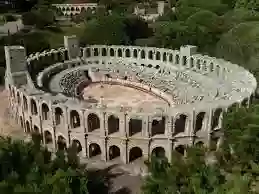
{"x": 124, "y": 153}
{"x": 104, "y": 154}
{"x": 104, "y": 125}
{"x": 168, "y": 127}
{"x": 208, "y": 127}
{"x": 169, "y": 150}
{"x": 122, "y": 124}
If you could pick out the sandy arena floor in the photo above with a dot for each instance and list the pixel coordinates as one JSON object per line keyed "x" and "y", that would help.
{"x": 116, "y": 95}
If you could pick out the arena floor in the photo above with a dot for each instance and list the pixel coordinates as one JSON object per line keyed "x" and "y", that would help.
{"x": 117, "y": 95}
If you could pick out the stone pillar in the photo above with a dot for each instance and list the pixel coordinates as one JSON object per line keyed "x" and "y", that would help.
{"x": 104, "y": 154}
{"x": 122, "y": 124}
{"x": 160, "y": 7}
{"x": 72, "y": 45}
{"x": 208, "y": 127}
{"x": 104, "y": 125}
{"x": 170, "y": 148}
{"x": 124, "y": 152}
{"x": 168, "y": 127}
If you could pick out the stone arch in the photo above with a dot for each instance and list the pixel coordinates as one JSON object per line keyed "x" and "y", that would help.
{"x": 112, "y": 53}
{"x": 184, "y": 60}
{"x": 177, "y": 59}
{"x": 150, "y": 55}
{"x": 63, "y": 9}
{"x": 119, "y": 52}
{"x": 216, "y": 118}
{"x": 48, "y": 137}
{"x": 75, "y": 119}
{"x": 88, "y": 52}
{"x": 142, "y": 54}
{"x": 158, "y": 127}
{"x": 104, "y": 52}
{"x": 94, "y": 150}
{"x": 58, "y": 115}
{"x": 83, "y": 9}
{"x": 135, "y": 126}
{"x": 113, "y": 124}
{"x": 61, "y": 143}
{"x": 127, "y": 53}
{"x": 21, "y": 121}
{"x": 245, "y": 102}
{"x": 72, "y": 9}
{"x": 180, "y": 124}
{"x": 27, "y": 127}
{"x": 211, "y": 67}
{"x": 199, "y": 144}
{"x": 191, "y": 62}
{"x": 180, "y": 149}
{"x": 135, "y": 153}
{"x": 93, "y": 122}
{"x": 67, "y": 9}
{"x": 18, "y": 98}
{"x": 158, "y": 55}
{"x": 45, "y": 111}
{"x": 170, "y": 57}
{"x": 77, "y": 9}
{"x": 114, "y": 152}
{"x": 25, "y": 103}
{"x": 96, "y": 52}
{"x": 198, "y": 64}
{"x": 36, "y": 129}
{"x": 135, "y": 53}
{"x": 199, "y": 121}
{"x": 158, "y": 152}
{"x": 164, "y": 57}
{"x": 77, "y": 145}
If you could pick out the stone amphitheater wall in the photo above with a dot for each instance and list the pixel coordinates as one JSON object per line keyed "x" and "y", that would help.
{"x": 63, "y": 123}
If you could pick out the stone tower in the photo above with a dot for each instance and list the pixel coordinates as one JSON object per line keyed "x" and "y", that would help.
{"x": 16, "y": 66}
{"x": 160, "y": 7}
{"x": 72, "y": 46}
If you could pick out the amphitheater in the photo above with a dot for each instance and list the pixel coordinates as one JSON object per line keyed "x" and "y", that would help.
{"x": 124, "y": 102}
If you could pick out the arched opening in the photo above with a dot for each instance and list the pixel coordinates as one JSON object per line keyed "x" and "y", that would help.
{"x": 34, "y": 109}
{"x": 113, "y": 124}
{"x": 199, "y": 121}
{"x": 21, "y": 121}
{"x": 177, "y": 59}
{"x": 215, "y": 118}
{"x": 199, "y": 144}
{"x": 158, "y": 127}
{"x": 180, "y": 124}
{"x": 48, "y": 137}
{"x": 191, "y": 62}
{"x": 150, "y": 54}
{"x": 143, "y": 54}
{"x": 135, "y": 126}
{"x": 158, "y": 152}
{"x": 245, "y": 102}
{"x": 45, "y": 111}
{"x": 164, "y": 57}
{"x": 77, "y": 145}
{"x": 135, "y": 153}
{"x": 135, "y": 53}
{"x": 171, "y": 57}
{"x": 62, "y": 145}
{"x": 28, "y": 128}
{"x": 184, "y": 62}
{"x": 119, "y": 53}
{"x": 18, "y": 98}
{"x": 93, "y": 122}
{"x": 96, "y": 52}
{"x": 114, "y": 152}
{"x": 72, "y": 9}
{"x": 25, "y": 103}
{"x": 58, "y": 115}
{"x": 74, "y": 119}
{"x": 88, "y": 52}
{"x": 36, "y": 129}
{"x": 180, "y": 149}
{"x": 112, "y": 53}
{"x": 158, "y": 55}
{"x": 104, "y": 52}
{"x": 127, "y": 53}
{"x": 94, "y": 150}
